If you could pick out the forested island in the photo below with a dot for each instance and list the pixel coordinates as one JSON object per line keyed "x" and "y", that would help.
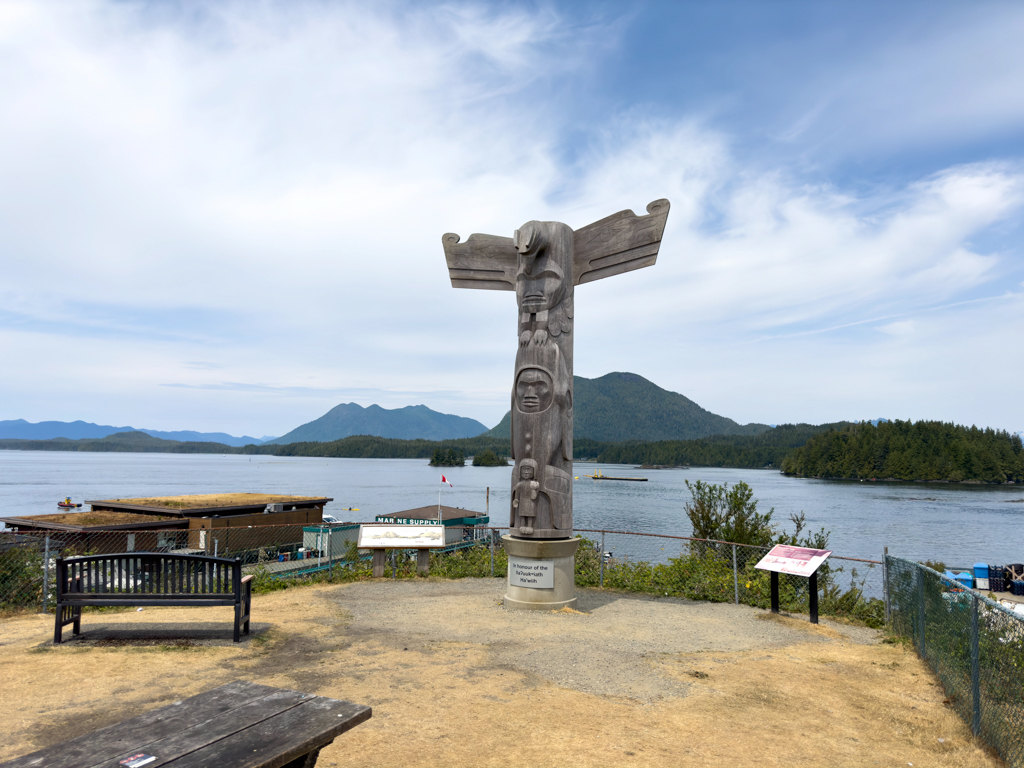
{"x": 904, "y": 450}
{"x": 448, "y": 457}
{"x": 766, "y": 449}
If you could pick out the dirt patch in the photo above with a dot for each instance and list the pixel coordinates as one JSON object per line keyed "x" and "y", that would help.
{"x": 454, "y": 679}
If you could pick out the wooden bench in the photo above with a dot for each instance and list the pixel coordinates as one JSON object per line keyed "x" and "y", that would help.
{"x": 241, "y": 724}
{"x": 150, "y": 579}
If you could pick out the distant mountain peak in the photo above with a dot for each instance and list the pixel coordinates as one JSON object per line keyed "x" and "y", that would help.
{"x": 411, "y": 422}
{"x": 622, "y": 406}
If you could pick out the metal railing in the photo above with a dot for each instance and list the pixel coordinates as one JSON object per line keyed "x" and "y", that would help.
{"x": 974, "y": 644}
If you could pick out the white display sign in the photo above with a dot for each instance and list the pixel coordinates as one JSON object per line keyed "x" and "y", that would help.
{"x": 400, "y": 536}
{"x": 533, "y": 574}
{"x": 796, "y": 561}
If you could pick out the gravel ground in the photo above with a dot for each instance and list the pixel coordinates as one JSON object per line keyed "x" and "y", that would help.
{"x": 614, "y": 644}
{"x": 456, "y": 680}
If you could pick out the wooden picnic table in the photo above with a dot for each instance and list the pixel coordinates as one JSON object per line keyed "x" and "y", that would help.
{"x": 241, "y": 724}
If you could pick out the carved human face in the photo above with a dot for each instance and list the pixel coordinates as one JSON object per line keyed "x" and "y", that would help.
{"x": 526, "y": 472}
{"x": 540, "y": 281}
{"x": 533, "y": 391}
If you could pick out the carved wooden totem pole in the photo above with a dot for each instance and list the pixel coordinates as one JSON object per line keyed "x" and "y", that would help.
{"x": 542, "y": 263}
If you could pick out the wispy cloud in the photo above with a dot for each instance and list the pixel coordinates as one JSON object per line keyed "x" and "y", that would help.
{"x": 228, "y": 216}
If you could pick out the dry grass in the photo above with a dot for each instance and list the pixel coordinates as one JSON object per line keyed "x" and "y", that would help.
{"x": 97, "y": 518}
{"x": 209, "y": 500}
{"x": 820, "y": 701}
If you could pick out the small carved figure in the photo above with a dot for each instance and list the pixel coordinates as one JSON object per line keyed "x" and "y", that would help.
{"x": 524, "y": 497}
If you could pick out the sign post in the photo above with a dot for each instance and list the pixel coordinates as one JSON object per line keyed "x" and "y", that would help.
{"x": 795, "y": 561}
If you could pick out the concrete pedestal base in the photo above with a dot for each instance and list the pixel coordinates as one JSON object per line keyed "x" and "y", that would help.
{"x": 555, "y": 560}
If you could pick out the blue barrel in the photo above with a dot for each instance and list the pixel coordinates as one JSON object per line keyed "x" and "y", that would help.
{"x": 981, "y": 570}
{"x": 965, "y": 579}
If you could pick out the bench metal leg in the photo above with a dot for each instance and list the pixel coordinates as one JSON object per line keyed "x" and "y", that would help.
{"x": 64, "y": 615}
{"x": 248, "y": 609}
{"x": 242, "y": 609}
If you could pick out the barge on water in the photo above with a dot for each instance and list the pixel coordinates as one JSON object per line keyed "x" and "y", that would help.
{"x": 598, "y": 476}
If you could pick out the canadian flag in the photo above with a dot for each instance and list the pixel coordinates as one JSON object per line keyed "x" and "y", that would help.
{"x": 445, "y": 480}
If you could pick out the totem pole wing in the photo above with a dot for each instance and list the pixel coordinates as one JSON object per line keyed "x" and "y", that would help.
{"x": 619, "y": 243}
{"x": 486, "y": 262}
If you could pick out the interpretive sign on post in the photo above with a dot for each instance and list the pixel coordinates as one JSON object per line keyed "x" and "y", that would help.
{"x": 532, "y": 574}
{"x": 380, "y": 538}
{"x": 400, "y": 536}
{"x": 795, "y": 561}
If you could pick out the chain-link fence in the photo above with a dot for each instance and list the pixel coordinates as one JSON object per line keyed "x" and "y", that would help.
{"x": 721, "y": 571}
{"x": 974, "y": 644}
{"x": 654, "y": 564}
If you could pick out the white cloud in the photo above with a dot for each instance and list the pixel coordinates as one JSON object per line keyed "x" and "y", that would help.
{"x": 237, "y": 216}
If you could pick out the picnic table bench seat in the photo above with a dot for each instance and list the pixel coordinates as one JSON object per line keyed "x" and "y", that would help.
{"x": 241, "y": 725}
{"x": 150, "y": 579}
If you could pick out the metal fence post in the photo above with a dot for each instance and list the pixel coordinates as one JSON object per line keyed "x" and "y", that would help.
{"x": 46, "y": 573}
{"x": 885, "y": 585}
{"x": 920, "y": 612}
{"x": 601, "y": 579}
{"x": 735, "y": 576}
{"x": 492, "y": 541}
{"x": 975, "y": 667}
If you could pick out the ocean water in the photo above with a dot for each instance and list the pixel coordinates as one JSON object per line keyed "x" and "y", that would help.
{"x": 958, "y": 525}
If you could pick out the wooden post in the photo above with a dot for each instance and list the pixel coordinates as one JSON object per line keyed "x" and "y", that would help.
{"x": 775, "y": 591}
{"x": 814, "y": 597}
{"x": 378, "y": 563}
{"x": 423, "y": 561}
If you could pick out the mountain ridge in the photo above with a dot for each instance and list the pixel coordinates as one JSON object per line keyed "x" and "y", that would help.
{"x": 409, "y": 423}
{"x": 19, "y": 429}
{"x": 622, "y": 406}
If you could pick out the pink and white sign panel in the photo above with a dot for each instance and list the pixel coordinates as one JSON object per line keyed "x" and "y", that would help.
{"x": 796, "y": 561}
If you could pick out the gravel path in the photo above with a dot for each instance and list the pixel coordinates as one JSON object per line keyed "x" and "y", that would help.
{"x": 613, "y": 646}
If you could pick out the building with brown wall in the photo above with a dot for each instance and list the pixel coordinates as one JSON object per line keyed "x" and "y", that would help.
{"x": 201, "y": 522}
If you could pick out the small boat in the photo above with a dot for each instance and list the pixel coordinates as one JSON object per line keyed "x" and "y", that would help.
{"x": 67, "y": 503}
{"x": 598, "y": 476}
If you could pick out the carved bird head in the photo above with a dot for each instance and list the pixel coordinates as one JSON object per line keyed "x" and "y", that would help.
{"x": 529, "y": 241}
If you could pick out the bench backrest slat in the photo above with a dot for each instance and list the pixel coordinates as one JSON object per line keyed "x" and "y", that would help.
{"x": 151, "y": 573}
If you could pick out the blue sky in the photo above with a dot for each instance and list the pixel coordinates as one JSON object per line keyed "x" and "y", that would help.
{"x": 227, "y": 216}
